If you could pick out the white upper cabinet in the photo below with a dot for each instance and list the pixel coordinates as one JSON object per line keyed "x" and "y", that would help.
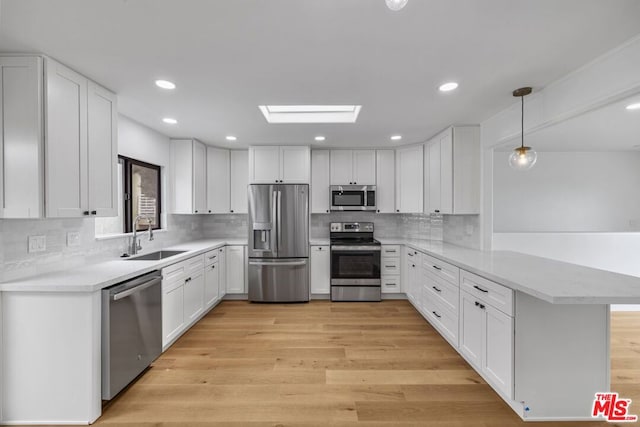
{"x": 350, "y": 167}
{"x": 409, "y": 179}
{"x": 320, "y": 181}
{"x": 385, "y": 181}
{"x": 102, "y": 151}
{"x": 59, "y": 133}
{"x": 239, "y": 181}
{"x": 454, "y": 171}
{"x": 188, "y": 166}
{"x": 21, "y": 137}
{"x": 66, "y": 142}
{"x": 218, "y": 181}
{"x": 279, "y": 164}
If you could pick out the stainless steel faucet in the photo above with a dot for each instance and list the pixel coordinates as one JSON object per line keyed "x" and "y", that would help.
{"x": 135, "y": 242}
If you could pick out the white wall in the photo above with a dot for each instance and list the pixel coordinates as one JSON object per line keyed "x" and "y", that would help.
{"x": 568, "y": 192}
{"x": 142, "y": 143}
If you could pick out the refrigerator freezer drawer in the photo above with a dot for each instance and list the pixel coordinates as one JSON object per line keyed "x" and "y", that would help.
{"x": 279, "y": 280}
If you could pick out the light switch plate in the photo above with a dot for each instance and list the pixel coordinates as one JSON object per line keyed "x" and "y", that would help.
{"x": 37, "y": 244}
{"x": 73, "y": 238}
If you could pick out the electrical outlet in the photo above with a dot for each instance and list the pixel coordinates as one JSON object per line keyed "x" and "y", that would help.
{"x": 37, "y": 243}
{"x": 73, "y": 238}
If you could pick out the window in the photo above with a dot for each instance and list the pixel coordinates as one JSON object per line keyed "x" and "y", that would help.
{"x": 141, "y": 194}
{"x": 138, "y": 194}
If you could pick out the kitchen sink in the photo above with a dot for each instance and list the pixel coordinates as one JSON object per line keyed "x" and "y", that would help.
{"x": 155, "y": 256}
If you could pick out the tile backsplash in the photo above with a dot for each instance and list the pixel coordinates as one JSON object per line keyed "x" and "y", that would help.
{"x": 16, "y": 262}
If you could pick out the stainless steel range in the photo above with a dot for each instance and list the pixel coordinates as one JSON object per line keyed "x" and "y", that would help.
{"x": 355, "y": 262}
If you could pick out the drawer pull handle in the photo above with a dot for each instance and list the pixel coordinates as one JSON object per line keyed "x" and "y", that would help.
{"x": 391, "y": 251}
{"x": 410, "y": 254}
{"x": 436, "y": 314}
{"x": 479, "y": 305}
{"x": 480, "y": 289}
{"x": 437, "y": 268}
{"x": 188, "y": 279}
{"x": 389, "y": 266}
{"x": 212, "y": 257}
{"x": 436, "y": 289}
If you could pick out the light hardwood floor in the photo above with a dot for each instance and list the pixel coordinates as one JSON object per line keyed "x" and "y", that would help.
{"x": 322, "y": 363}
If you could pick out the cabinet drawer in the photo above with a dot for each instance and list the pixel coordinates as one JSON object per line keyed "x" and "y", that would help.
{"x": 391, "y": 284}
{"x": 447, "y": 294}
{"x": 439, "y": 268}
{"x": 391, "y": 251}
{"x": 490, "y": 292}
{"x": 174, "y": 272}
{"x": 194, "y": 265}
{"x": 390, "y": 266}
{"x": 442, "y": 318}
{"x": 211, "y": 257}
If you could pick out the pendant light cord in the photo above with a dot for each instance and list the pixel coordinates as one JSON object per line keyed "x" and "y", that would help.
{"x": 522, "y": 122}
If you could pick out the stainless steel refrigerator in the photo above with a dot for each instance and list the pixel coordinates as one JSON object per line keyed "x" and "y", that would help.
{"x": 279, "y": 242}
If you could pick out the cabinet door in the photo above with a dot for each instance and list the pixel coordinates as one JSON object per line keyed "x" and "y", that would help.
{"x": 211, "y": 284}
{"x": 364, "y": 167}
{"x": 199, "y": 178}
{"x": 102, "y": 151}
{"x": 434, "y": 177}
{"x": 497, "y": 358}
{"x": 218, "y": 181}
{"x": 222, "y": 271}
{"x": 294, "y": 165}
{"x": 182, "y": 176}
{"x": 264, "y": 165}
{"x": 66, "y": 142}
{"x": 446, "y": 172}
{"x": 385, "y": 181}
{"x": 193, "y": 296}
{"x": 320, "y": 270}
{"x": 471, "y": 329}
{"x": 21, "y": 137}
{"x": 320, "y": 196}
{"x": 235, "y": 270}
{"x": 341, "y": 165}
{"x": 239, "y": 181}
{"x": 409, "y": 180}
{"x": 172, "y": 311}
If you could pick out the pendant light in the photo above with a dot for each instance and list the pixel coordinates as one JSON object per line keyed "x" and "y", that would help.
{"x": 396, "y": 5}
{"x": 523, "y": 158}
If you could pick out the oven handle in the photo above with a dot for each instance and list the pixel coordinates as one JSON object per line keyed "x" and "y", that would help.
{"x": 278, "y": 263}
{"x": 340, "y": 248}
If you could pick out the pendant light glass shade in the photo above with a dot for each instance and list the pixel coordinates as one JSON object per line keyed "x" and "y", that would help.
{"x": 523, "y": 158}
{"x": 396, "y": 5}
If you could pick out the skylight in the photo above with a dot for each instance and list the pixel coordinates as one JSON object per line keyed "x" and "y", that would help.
{"x": 310, "y": 113}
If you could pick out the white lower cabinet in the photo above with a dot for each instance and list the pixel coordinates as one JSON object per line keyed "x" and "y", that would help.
{"x": 390, "y": 269}
{"x": 235, "y": 272}
{"x": 222, "y": 271}
{"x": 320, "y": 270}
{"x": 486, "y": 340}
{"x": 211, "y": 284}
{"x": 193, "y": 296}
{"x": 413, "y": 269}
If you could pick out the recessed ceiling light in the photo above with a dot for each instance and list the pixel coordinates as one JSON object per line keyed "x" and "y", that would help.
{"x": 310, "y": 113}
{"x": 396, "y": 137}
{"x": 169, "y": 121}
{"x": 231, "y": 138}
{"x": 635, "y": 106}
{"x": 165, "y": 84}
{"x": 446, "y": 87}
{"x": 320, "y": 138}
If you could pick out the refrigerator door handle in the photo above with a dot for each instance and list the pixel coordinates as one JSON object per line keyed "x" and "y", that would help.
{"x": 278, "y": 263}
{"x": 279, "y": 224}
{"x": 274, "y": 215}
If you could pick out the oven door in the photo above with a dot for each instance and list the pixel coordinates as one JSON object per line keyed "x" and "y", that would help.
{"x": 355, "y": 265}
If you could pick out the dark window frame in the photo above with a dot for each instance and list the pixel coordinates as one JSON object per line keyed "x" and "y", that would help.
{"x": 127, "y": 210}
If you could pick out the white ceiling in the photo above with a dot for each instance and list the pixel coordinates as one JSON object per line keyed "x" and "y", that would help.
{"x": 228, "y": 57}
{"x": 610, "y": 128}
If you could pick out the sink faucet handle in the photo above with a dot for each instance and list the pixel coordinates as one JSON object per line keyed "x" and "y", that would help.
{"x": 138, "y": 245}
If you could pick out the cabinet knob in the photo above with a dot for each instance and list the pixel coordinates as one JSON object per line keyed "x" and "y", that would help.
{"x": 196, "y": 211}
{"x": 209, "y": 210}
{"x": 355, "y": 182}
{"x": 231, "y": 210}
{"x": 94, "y": 212}
{"x": 437, "y": 211}
{"x": 378, "y": 210}
{"x": 85, "y": 213}
{"x": 397, "y": 210}
{"x": 320, "y": 248}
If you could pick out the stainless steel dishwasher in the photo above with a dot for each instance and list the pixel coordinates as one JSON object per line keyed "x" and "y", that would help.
{"x": 131, "y": 330}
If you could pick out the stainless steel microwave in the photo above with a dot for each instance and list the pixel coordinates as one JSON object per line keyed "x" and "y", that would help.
{"x": 353, "y": 197}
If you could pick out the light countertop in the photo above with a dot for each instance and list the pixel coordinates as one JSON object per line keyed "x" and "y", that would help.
{"x": 94, "y": 277}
